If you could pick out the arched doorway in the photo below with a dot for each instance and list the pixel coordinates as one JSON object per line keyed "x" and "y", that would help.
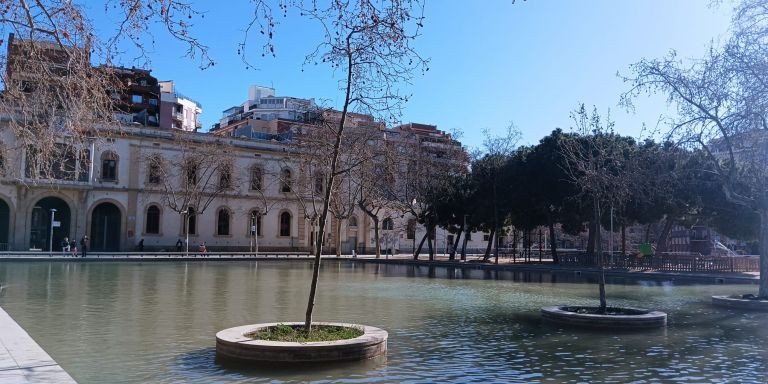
{"x": 105, "y": 228}
{"x": 46, "y": 213}
{"x": 5, "y": 220}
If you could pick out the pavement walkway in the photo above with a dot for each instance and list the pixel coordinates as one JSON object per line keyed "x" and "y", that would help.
{"x": 22, "y": 361}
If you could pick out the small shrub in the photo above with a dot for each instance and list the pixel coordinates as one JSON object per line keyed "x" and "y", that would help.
{"x": 295, "y": 333}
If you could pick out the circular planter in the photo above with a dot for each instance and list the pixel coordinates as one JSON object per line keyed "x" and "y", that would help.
{"x": 633, "y": 319}
{"x": 739, "y": 303}
{"x": 231, "y": 344}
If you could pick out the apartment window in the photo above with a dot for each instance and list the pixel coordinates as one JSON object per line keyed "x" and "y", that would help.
{"x": 222, "y": 222}
{"x": 285, "y": 224}
{"x": 257, "y": 174}
{"x": 153, "y": 220}
{"x": 353, "y": 222}
{"x": 286, "y": 180}
{"x": 136, "y": 99}
{"x": 469, "y": 236}
{"x": 486, "y": 237}
{"x": 152, "y": 101}
{"x": 387, "y": 224}
{"x": 109, "y": 166}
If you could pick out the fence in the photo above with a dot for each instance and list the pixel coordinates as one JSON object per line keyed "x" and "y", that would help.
{"x": 158, "y": 255}
{"x": 666, "y": 262}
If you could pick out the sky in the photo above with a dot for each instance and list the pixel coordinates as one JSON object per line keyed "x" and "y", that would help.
{"x": 492, "y": 62}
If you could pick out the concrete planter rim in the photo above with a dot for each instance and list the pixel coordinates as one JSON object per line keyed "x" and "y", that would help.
{"x": 237, "y": 335}
{"x": 646, "y": 319}
{"x": 737, "y": 302}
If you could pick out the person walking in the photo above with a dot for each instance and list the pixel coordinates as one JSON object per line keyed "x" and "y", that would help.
{"x": 84, "y": 246}
{"x": 73, "y": 247}
{"x": 140, "y": 247}
{"x": 179, "y": 244}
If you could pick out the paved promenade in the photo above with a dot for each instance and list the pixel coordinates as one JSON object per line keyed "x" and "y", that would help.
{"x": 22, "y": 361}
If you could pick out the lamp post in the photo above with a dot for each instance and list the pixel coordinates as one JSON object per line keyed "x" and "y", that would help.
{"x": 254, "y": 232}
{"x": 185, "y": 213}
{"x": 50, "y": 238}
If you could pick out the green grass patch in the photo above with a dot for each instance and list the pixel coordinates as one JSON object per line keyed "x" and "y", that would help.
{"x": 295, "y": 333}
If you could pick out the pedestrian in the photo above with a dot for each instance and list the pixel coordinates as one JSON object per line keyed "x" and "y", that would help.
{"x": 84, "y": 246}
{"x": 73, "y": 247}
{"x": 65, "y": 246}
{"x": 202, "y": 249}
{"x": 141, "y": 245}
{"x": 179, "y": 244}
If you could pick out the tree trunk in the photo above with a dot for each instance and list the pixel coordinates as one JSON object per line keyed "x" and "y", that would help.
{"x": 376, "y": 234}
{"x": 338, "y": 237}
{"x": 541, "y": 244}
{"x": 623, "y": 239}
{"x": 487, "y": 255}
{"x": 661, "y": 244}
{"x": 464, "y": 248}
{"x": 601, "y": 282}
{"x": 429, "y": 245}
{"x": 421, "y": 244}
{"x": 327, "y": 197}
{"x": 591, "y": 239}
{"x": 514, "y": 245}
{"x": 452, "y": 255}
{"x": 552, "y": 242}
{"x": 763, "y": 290}
{"x": 647, "y": 233}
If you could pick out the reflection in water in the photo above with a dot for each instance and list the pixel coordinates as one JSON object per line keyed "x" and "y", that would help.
{"x": 155, "y": 322}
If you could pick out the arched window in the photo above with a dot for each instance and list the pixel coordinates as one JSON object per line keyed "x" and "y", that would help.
{"x": 154, "y": 172}
{"x": 286, "y": 180}
{"x": 410, "y": 232}
{"x": 153, "y": 220}
{"x": 353, "y": 222}
{"x": 109, "y": 166}
{"x": 387, "y": 224}
{"x": 254, "y": 223}
{"x": 285, "y": 224}
{"x": 191, "y": 221}
{"x": 222, "y": 222}
{"x": 225, "y": 177}
{"x": 257, "y": 174}
{"x": 190, "y": 170}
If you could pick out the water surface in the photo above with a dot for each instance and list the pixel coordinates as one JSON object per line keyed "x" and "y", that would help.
{"x": 155, "y": 322}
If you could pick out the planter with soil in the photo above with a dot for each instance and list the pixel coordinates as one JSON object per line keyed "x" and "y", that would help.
{"x": 613, "y": 317}
{"x": 286, "y": 343}
{"x": 748, "y": 302}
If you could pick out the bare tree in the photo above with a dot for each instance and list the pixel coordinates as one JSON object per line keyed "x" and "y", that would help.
{"x": 53, "y": 95}
{"x": 721, "y": 103}
{"x": 192, "y": 176}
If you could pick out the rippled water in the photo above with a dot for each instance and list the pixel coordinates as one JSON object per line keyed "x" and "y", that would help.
{"x": 155, "y": 322}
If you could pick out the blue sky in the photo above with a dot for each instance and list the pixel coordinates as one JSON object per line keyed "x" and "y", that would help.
{"x": 492, "y": 62}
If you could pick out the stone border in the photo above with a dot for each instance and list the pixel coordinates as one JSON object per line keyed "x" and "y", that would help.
{"x": 231, "y": 344}
{"x": 737, "y": 303}
{"x": 646, "y": 319}
{"x": 22, "y": 360}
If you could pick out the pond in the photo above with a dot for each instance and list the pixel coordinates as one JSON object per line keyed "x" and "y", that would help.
{"x": 115, "y": 322}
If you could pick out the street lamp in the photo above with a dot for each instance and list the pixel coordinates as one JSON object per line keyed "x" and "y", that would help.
{"x": 186, "y": 231}
{"x": 254, "y": 232}
{"x": 50, "y": 238}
